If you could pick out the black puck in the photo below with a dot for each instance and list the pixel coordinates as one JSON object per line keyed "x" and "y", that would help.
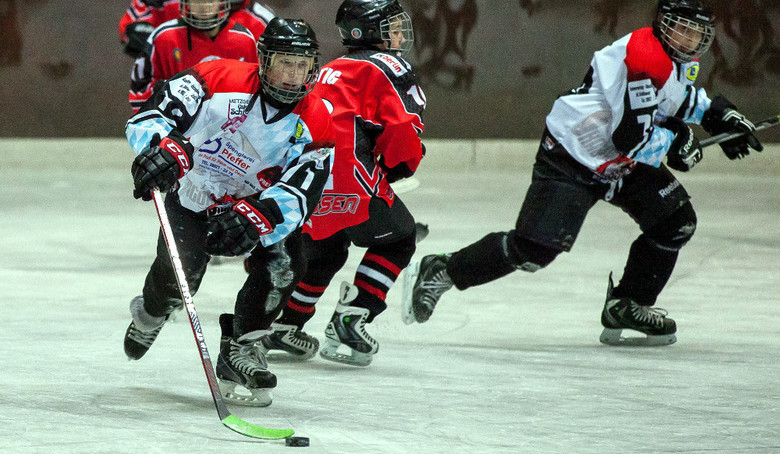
{"x": 296, "y": 441}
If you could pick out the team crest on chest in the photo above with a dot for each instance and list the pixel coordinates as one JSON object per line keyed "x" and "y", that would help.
{"x": 177, "y": 54}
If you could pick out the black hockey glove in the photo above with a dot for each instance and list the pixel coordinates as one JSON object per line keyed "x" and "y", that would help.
{"x": 239, "y": 230}
{"x": 161, "y": 164}
{"x": 724, "y": 117}
{"x": 137, "y": 34}
{"x": 685, "y": 151}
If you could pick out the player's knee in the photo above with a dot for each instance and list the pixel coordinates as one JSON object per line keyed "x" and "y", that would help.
{"x": 526, "y": 255}
{"x": 675, "y": 231}
{"x": 398, "y": 252}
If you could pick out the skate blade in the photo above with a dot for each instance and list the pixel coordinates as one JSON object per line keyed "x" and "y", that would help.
{"x": 410, "y": 276}
{"x": 283, "y": 356}
{"x": 258, "y": 397}
{"x": 614, "y": 337}
{"x": 330, "y": 352}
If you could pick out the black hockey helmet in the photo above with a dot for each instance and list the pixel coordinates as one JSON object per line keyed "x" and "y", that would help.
{"x": 191, "y": 13}
{"x": 685, "y": 27}
{"x": 289, "y": 59}
{"x": 368, "y": 24}
{"x": 153, "y": 3}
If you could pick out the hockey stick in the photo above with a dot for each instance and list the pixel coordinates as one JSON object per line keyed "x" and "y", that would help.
{"x": 228, "y": 419}
{"x": 720, "y": 138}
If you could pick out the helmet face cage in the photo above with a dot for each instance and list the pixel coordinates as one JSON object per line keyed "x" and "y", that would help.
{"x": 685, "y": 28}
{"x": 288, "y": 76}
{"x": 397, "y": 33}
{"x": 191, "y": 15}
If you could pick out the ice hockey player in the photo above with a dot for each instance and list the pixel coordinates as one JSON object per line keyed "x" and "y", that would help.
{"x": 376, "y": 108}
{"x": 203, "y": 32}
{"x": 606, "y": 139}
{"x": 243, "y": 152}
{"x": 143, "y": 16}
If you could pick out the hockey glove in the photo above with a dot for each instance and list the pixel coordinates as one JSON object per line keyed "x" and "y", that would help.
{"x": 161, "y": 164}
{"x": 721, "y": 117}
{"x": 239, "y": 230}
{"x": 685, "y": 151}
{"x": 137, "y": 34}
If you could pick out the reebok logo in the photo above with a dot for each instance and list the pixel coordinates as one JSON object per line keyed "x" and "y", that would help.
{"x": 668, "y": 189}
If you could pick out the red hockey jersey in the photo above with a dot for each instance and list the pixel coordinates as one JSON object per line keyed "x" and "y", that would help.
{"x": 176, "y": 47}
{"x": 376, "y": 107}
{"x": 254, "y": 16}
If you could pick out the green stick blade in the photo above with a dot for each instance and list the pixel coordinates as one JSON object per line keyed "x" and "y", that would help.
{"x": 250, "y": 430}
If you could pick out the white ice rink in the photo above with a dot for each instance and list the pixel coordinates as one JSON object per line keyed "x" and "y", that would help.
{"x": 509, "y": 367}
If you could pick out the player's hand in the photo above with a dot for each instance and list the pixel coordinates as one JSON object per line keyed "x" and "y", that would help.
{"x": 239, "y": 230}
{"x": 723, "y": 117}
{"x": 137, "y": 34}
{"x": 685, "y": 151}
{"x": 161, "y": 164}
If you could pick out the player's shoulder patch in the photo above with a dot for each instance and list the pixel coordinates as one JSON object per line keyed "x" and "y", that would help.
{"x": 646, "y": 58}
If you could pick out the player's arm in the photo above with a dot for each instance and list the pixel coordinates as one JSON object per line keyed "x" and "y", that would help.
{"x": 298, "y": 191}
{"x": 399, "y": 149}
{"x": 157, "y": 134}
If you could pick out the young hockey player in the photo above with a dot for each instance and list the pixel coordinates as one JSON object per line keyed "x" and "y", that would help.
{"x": 245, "y": 152}
{"x": 376, "y": 107}
{"x": 203, "y": 32}
{"x": 143, "y": 16}
{"x": 606, "y": 140}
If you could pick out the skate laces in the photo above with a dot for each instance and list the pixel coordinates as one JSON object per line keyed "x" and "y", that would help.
{"x": 248, "y": 359}
{"x": 145, "y": 338}
{"x": 649, "y": 314}
{"x": 434, "y": 287}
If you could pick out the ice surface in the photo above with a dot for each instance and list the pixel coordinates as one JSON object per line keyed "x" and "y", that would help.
{"x": 511, "y": 366}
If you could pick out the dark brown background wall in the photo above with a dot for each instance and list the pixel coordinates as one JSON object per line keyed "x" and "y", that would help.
{"x": 489, "y": 68}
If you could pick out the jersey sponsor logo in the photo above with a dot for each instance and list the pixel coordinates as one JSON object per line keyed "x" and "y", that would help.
{"x": 391, "y": 62}
{"x": 641, "y": 94}
{"x": 337, "y": 203}
{"x": 177, "y": 54}
{"x": 234, "y": 123}
{"x": 237, "y": 107}
{"x": 267, "y": 177}
{"x": 329, "y": 76}
{"x": 298, "y": 130}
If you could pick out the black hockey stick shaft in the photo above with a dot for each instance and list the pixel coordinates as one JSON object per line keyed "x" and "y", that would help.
{"x": 720, "y": 138}
{"x": 228, "y": 419}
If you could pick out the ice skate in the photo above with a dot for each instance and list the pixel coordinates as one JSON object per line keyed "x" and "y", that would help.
{"x": 241, "y": 364}
{"x": 623, "y": 313}
{"x": 291, "y": 339}
{"x": 143, "y": 330}
{"x": 424, "y": 283}
{"x": 347, "y": 329}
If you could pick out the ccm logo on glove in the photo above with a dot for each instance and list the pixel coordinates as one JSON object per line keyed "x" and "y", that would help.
{"x": 258, "y": 220}
{"x": 180, "y": 155}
